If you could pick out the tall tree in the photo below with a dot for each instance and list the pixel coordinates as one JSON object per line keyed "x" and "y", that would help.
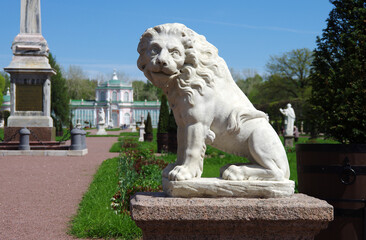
{"x": 2, "y": 86}
{"x": 164, "y": 116}
{"x": 59, "y": 94}
{"x": 7, "y": 82}
{"x": 78, "y": 84}
{"x": 338, "y": 78}
{"x": 294, "y": 68}
{"x": 249, "y": 81}
{"x": 145, "y": 90}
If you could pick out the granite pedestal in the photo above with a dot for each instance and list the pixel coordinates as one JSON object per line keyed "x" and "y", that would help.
{"x": 37, "y": 133}
{"x": 295, "y": 217}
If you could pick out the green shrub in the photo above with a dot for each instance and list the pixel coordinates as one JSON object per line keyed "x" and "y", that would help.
{"x": 139, "y": 171}
{"x": 148, "y": 125}
{"x": 172, "y": 125}
{"x": 164, "y": 116}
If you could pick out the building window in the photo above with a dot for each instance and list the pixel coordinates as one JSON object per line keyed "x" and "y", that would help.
{"x": 125, "y": 97}
{"x": 102, "y": 96}
{"x": 114, "y": 96}
{"x": 127, "y": 119}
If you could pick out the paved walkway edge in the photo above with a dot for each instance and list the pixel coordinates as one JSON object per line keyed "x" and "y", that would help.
{"x": 69, "y": 153}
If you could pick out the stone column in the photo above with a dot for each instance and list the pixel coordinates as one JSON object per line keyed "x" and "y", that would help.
{"x": 30, "y": 74}
{"x": 30, "y": 16}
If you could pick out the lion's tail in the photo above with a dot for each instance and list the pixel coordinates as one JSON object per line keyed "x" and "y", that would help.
{"x": 239, "y": 115}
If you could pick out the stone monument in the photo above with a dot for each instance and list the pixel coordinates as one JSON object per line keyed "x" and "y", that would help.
{"x": 30, "y": 74}
{"x": 290, "y": 117}
{"x": 101, "y": 123}
{"x": 252, "y": 200}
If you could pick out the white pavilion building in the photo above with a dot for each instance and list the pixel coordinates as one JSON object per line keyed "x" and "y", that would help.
{"x": 116, "y": 98}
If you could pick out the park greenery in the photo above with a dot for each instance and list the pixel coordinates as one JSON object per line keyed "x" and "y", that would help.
{"x": 2, "y": 86}
{"x": 286, "y": 81}
{"x": 148, "y": 125}
{"x": 338, "y": 76}
{"x": 145, "y": 90}
{"x": 59, "y": 96}
{"x": 79, "y": 86}
{"x": 163, "y": 116}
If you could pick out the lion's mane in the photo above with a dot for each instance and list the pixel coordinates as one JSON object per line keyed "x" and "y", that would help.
{"x": 202, "y": 64}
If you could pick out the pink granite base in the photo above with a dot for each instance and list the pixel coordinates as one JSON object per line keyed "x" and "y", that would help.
{"x": 295, "y": 217}
{"x": 38, "y": 133}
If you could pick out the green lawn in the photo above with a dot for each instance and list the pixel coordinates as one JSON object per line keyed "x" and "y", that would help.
{"x": 95, "y": 217}
{"x": 1, "y": 134}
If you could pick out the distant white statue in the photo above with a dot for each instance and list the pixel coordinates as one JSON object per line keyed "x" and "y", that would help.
{"x": 101, "y": 122}
{"x": 101, "y": 116}
{"x": 209, "y": 108}
{"x": 290, "y": 117}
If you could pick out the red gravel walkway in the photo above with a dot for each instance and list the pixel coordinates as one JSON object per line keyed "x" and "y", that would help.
{"x": 40, "y": 194}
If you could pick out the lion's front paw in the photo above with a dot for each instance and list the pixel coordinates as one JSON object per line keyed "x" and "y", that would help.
{"x": 167, "y": 169}
{"x": 180, "y": 173}
{"x": 235, "y": 173}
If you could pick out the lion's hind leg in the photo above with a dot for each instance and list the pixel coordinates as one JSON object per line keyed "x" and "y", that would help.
{"x": 240, "y": 172}
{"x": 267, "y": 155}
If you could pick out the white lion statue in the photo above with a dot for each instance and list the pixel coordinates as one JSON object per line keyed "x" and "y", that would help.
{"x": 209, "y": 108}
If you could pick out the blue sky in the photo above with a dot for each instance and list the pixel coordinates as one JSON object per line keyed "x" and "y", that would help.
{"x": 100, "y": 36}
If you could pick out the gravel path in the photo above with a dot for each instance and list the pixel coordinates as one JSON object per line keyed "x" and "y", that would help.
{"x": 39, "y": 195}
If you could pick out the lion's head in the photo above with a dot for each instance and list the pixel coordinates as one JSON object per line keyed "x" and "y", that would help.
{"x": 172, "y": 54}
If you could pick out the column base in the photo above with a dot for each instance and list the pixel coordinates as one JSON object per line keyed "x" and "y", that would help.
{"x": 37, "y": 133}
{"x": 289, "y": 141}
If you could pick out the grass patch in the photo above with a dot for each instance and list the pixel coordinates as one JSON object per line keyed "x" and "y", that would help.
{"x": 95, "y": 218}
{"x": 1, "y": 134}
{"x": 116, "y": 147}
{"x": 66, "y": 135}
{"x": 129, "y": 134}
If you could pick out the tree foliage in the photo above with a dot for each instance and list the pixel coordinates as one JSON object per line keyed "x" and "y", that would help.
{"x": 145, "y": 90}
{"x": 164, "y": 115}
{"x": 289, "y": 73}
{"x": 78, "y": 84}
{"x": 59, "y": 94}
{"x": 2, "y": 86}
{"x": 338, "y": 78}
{"x": 248, "y": 81}
{"x": 288, "y": 78}
{"x": 148, "y": 127}
{"x": 172, "y": 125}
{"x": 6, "y": 83}
{"x": 293, "y": 65}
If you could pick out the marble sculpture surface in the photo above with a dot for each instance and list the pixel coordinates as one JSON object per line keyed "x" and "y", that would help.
{"x": 209, "y": 108}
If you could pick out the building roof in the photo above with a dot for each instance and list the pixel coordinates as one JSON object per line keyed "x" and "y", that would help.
{"x": 114, "y": 83}
{"x": 6, "y": 98}
{"x": 81, "y": 103}
{"x": 142, "y": 104}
